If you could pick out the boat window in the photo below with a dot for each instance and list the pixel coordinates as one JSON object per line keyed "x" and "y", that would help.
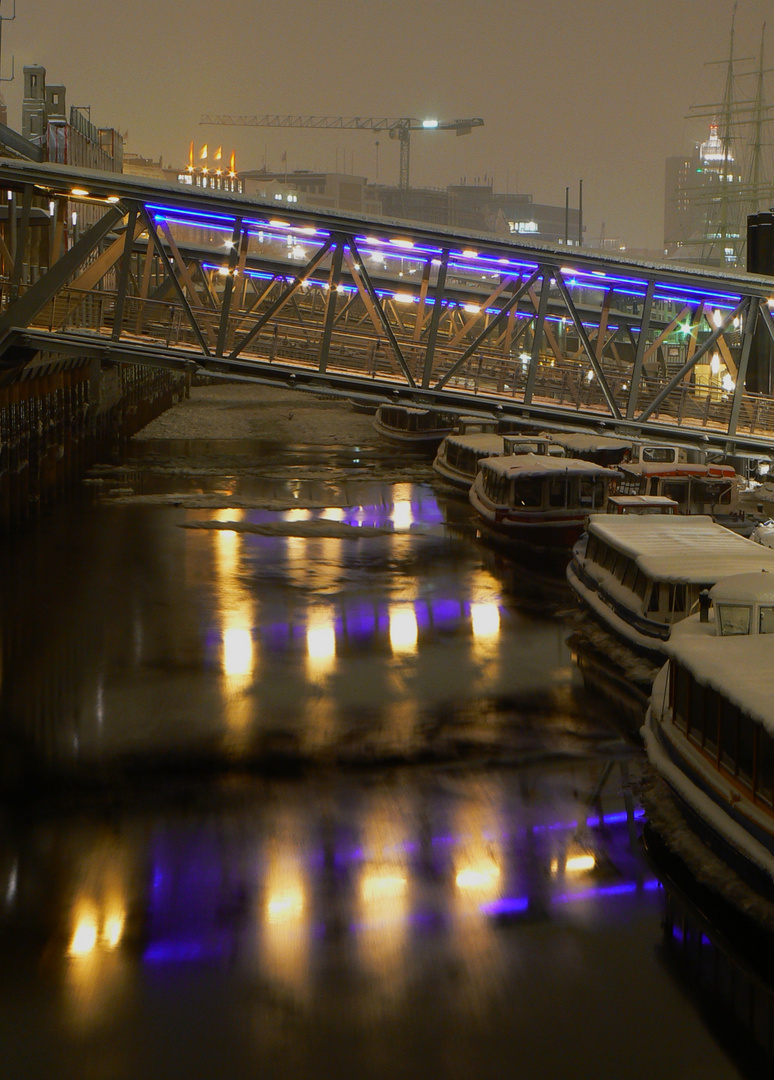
{"x": 621, "y": 563}
{"x": 658, "y": 453}
{"x": 557, "y": 491}
{"x": 729, "y": 715}
{"x": 674, "y": 489}
{"x": 696, "y": 712}
{"x": 681, "y": 683}
{"x": 630, "y": 573}
{"x": 766, "y": 619}
{"x": 631, "y": 485}
{"x": 733, "y": 619}
{"x": 610, "y": 556}
{"x": 746, "y": 736}
{"x": 640, "y": 584}
{"x": 764, "y": 767}
{"x": 585, "y": 493}
{"x": 710, "y": 494}
{"x": 711, "y": 717}
{"x": 677, "y": 598}
{"x": 528, "y": 493}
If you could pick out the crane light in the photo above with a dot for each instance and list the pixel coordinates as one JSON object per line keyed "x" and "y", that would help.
{"x": 429, "y": 123}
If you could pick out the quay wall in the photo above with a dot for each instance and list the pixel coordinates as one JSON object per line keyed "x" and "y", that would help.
{"x": 59, "y": 419}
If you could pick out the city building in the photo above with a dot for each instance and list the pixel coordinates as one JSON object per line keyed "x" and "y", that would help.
{"x": 704, "y": 219}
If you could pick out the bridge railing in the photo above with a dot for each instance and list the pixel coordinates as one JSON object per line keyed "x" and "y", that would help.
{"x": 565, "y": 385}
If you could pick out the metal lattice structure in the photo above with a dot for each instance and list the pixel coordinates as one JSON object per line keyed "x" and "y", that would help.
{"x": 201, "y": 281}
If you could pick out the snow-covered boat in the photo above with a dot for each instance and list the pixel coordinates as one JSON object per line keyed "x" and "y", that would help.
{"x": 539, "y": 499}
{"x": 602, "y": 449}
{"x": 638, "y": 575}
{"x": 412, "y": 425}
{"x": 461, "y": 453}
{"x": 709, "y": 731}
{"x": 696, "y": 487}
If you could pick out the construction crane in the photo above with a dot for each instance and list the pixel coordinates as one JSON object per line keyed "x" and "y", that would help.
{"x": 399, "y": 129}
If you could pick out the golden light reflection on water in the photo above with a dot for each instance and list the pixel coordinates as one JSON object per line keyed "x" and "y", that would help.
{"x": 236, "y": 615}
{"x": 320, "y": 642}
{"x": 285, "y": 923}
{"x": 237, "y": 651}
{"x": 485, "y": 620}
{"x": 383, "y": 893}
{"x": 96, "y": 929}
{"x": 404, "y": 631}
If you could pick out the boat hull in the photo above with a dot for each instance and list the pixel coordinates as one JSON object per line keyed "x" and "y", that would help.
{"x": 726, "y": 822}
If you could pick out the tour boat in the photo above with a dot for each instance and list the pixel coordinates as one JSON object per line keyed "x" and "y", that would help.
{"x": 539, "y": 499}
{"x": 602, "y": 449}
{"x": 461, "y": 453}
{"x": 639, "y": 574}
{"x": 696, "y": 487}
{"x": 709, "y": 731}
{"x": 412, "y": 425}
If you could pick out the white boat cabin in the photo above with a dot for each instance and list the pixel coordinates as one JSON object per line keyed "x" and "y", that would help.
{"x": 641, "y": 504}
{"x": 718, "y": 690}
{"x": 540, "y": 482}
{"x": 656, "y": 566}
{"x": 696, "y": 488}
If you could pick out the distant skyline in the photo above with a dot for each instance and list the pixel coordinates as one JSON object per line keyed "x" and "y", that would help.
{"x": 571, "y": 90}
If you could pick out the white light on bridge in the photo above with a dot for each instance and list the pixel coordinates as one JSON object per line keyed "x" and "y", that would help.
{"x": 403, "y": 298}
{"x": 429, "y": 123}
{"x": 79, "y": 191}
{"x": 402, "y": 243}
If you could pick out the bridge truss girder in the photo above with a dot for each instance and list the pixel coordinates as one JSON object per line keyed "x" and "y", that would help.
{"x": 198, "y": 280}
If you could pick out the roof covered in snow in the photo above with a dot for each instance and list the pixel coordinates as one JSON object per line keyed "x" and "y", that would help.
{"x": 741, "y": 668}
{"x": 688, "y": 549}
{"x": 529, "y": 465}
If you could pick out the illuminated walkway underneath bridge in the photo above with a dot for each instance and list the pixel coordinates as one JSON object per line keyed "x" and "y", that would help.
{"x": 130, "y": 271}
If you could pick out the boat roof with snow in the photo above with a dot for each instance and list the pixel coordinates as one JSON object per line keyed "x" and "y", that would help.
{"x": 685, "y": 549}
{"x": 520, "y": 466}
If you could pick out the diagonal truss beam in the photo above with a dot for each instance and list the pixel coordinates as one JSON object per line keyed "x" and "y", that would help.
{"x": 283, "y": 298}
{"x": 22, "y": 311}
{"x": 380, "y": 313}
{"x": 590, "y": 354}
{"x": 705, "y": 347}
{"x": 170, "y": 269}
{"x": 499, "y": 318}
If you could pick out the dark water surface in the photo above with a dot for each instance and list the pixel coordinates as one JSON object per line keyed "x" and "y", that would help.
{"x": 300, "y": 779}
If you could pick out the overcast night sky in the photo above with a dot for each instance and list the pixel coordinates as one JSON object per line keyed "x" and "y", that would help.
{"x": 597, "y": 90}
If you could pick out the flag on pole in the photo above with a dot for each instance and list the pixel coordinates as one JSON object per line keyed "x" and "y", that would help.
{"x": 219, "y": 153}
{"x": 232, "y": 162}
{"x": 190, "y": 155}
{"x": 203, "y": 154}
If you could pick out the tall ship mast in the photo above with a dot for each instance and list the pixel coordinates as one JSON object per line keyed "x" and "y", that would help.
{"x": 729, "y": 175}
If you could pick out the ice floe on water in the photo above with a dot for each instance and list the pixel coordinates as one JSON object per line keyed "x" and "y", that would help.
{"x": 336, "y": 530}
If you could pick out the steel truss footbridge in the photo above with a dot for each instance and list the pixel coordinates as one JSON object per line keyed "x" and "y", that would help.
{"x": 132, "y": 271}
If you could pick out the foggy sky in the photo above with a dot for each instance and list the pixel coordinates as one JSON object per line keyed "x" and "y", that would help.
{"x": 597, "y": 90}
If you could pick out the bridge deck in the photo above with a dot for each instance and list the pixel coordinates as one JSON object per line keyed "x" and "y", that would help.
{"x": 186, "y": 278}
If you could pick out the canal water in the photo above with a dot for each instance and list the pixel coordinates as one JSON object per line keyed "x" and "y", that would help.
{"x": 300, "y": 778}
